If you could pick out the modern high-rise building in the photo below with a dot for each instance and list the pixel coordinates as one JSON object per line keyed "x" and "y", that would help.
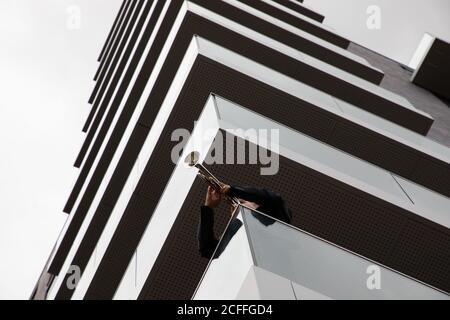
{"x": 269, "y": 97}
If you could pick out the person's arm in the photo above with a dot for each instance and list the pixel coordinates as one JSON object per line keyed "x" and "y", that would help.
{"x": 207, "y": 242}
{"x": 263, "y": 197}
{"x": 259, "y": 196}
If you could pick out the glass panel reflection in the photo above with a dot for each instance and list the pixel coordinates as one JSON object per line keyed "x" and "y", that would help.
{"x": 323, "y": 267}
{"x": 312, "y": 266}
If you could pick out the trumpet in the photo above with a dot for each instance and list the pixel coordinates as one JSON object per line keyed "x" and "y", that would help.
{"x": 192, "y": 161}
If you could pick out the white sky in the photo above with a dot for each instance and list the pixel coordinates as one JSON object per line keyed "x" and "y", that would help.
{"x": 46, "y": 71}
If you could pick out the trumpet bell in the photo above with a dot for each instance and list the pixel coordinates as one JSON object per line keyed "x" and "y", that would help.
{"x": 192, "y": 159}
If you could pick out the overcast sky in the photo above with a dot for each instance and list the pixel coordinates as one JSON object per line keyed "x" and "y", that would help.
{"x": 46, "y": 70}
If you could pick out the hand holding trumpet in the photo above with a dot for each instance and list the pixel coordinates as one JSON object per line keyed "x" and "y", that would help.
{"x": 213, "y": 196}
{"x": 192, "y": 160}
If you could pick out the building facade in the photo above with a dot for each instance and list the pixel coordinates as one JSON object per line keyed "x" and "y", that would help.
{"x": 269, "y": 97}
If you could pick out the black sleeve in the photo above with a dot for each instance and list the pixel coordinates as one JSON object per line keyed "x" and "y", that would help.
{"x": 207, "y": 242}
{"x": 259, "y": 196}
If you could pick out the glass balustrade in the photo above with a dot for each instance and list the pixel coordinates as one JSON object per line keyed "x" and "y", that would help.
{"x": 308, "y": 263}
